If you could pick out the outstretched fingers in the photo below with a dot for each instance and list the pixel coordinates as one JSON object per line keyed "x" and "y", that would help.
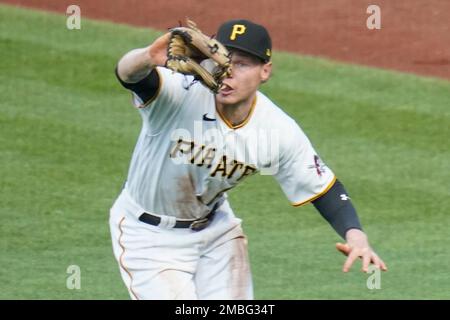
{"x": 366, "y": 258}
{"x": 378, "y": 262}
{"x": 350, "y": 260}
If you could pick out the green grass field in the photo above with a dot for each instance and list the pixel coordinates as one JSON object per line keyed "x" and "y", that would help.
{"x": 68, "y": 130}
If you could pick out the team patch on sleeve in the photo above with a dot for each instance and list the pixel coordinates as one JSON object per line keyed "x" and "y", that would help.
{"x": 303, "y": 175}
{"x": 318, "y": 165}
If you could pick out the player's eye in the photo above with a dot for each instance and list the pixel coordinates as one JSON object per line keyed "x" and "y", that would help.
{"x": 240, "y": 64}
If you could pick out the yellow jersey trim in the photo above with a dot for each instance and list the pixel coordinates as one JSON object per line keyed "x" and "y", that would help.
{"x": 298, "y": 204}
{"x": 243, "y": 123}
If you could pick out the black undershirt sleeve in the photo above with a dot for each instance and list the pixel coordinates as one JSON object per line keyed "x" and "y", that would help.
{"x": 146, "y": 89}
{"x": 336, "y": 207}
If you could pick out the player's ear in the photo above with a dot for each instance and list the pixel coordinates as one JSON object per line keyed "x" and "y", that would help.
{"x": 266, "y": 71}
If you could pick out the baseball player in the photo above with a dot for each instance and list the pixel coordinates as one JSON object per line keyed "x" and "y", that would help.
{"x": 173, "y": 231}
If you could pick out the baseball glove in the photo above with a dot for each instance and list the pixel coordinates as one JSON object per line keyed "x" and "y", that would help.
{"x": 193, "y": 53}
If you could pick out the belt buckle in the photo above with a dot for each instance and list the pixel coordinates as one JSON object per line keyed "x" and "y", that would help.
{"x": 200, "y": 224}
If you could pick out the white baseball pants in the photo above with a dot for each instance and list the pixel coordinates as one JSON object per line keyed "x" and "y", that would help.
{"x": 160, "y": 262}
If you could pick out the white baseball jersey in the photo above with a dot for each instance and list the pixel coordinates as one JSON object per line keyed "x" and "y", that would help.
{"x": 188, "y": 155}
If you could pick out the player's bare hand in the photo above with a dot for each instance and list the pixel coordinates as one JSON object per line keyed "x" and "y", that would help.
{"x": 158, "y": 50}
{"x": 357, "y": 246}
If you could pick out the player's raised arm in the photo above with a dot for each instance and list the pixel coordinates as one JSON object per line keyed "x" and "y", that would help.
{"x": 136, "y": 70}
{"x": 138, "y": 63}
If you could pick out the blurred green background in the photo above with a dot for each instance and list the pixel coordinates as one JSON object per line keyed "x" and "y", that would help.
{"x": 68, "y": 130}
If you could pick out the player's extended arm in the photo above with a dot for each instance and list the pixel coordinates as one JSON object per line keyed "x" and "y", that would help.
{"x": 138, "y": 63}
{"x": 336, "y": 207}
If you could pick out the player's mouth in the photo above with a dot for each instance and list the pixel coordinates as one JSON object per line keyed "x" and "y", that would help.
{"x": 226, "y": 90}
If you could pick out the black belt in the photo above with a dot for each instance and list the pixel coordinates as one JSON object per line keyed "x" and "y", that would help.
{"x": 195, "y": 225}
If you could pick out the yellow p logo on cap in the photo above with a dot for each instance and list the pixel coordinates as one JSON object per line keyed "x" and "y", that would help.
{"x": 237, "y": 29}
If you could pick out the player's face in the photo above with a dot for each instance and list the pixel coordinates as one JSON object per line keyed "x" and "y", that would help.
{"x": 246, "y": 76}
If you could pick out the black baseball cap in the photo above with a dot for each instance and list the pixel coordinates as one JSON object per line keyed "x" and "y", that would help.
{"x": 246, "y": 36}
